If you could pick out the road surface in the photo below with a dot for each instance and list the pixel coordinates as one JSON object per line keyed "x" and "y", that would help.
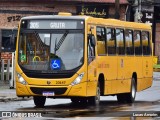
{"x": 147, "y": 103}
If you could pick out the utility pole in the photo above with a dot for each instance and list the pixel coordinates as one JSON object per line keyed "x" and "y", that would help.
{"x": 117, "y": 16}
{"x": 138, "y": 11}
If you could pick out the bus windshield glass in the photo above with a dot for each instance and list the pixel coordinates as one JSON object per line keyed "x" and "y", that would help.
{"x": 51, "y": 51}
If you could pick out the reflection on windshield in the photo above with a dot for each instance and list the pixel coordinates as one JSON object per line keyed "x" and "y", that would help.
{"x": 56, "y": 51}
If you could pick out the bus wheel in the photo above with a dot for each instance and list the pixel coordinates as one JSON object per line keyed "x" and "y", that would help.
{"x": 121, "y": 98}
{"x": 39, "y": 101}
{"x": 130, "y": 97}
{"x": 95, "y": 99}
{"x": 75, "y": 100}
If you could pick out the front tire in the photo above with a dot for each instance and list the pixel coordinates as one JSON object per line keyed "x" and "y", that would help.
{"x": 39, "y": 101}
{"x": 75, "y": 100}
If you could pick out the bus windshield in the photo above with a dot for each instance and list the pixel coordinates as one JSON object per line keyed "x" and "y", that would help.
{"x": 51, "y": 51}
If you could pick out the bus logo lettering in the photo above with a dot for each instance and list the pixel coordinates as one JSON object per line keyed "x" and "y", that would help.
{"x": 48, "y": 82}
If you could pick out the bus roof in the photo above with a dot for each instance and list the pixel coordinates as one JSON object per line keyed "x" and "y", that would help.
{"x": 55, "y": 17}
{"x": 118, "y": 23}
{"x": 95, "y": 21}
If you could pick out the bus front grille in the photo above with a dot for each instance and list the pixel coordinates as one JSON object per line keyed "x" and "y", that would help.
{"x": 57, "y": 91}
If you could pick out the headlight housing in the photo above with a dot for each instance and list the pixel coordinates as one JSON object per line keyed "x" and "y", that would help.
{"x": 78, "y": 79}
{"x": 21, "y": 79}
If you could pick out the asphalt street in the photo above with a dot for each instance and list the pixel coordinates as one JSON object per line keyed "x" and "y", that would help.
{"x": 147, "y": 102}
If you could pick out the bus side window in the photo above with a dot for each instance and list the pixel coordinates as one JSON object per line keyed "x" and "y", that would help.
{"x": 91, "y": 48}
{"x": 146, "y": 43}
{"x": 101, "y": 38}
{"x": 22, "y": 47}
{"x": 120, "y": 41}
{"x": 137, "y": 42}
{"x": 129, "y": 42}
{"x": 111, "y": 41}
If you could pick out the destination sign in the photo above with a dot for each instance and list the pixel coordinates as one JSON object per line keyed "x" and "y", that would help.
{"x": 52, "y": 24}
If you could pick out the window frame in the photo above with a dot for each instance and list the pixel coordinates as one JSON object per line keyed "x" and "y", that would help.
{"x": 114, "y": 38}
{"x": 102, "y": 40}
{"x": 137, "y": 50}
{"x": 148, "y": 52}
{"x": 118, "y": 49}
{"x": 132, "y": 41}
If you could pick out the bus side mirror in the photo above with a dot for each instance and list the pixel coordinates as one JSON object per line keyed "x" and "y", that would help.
{"x": 92, "y": 40}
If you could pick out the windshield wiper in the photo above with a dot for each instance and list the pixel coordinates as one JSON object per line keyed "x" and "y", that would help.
{"x": 58, "y": 45}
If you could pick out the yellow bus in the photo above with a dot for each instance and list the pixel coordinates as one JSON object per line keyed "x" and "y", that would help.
{"x": 82, "y": 58}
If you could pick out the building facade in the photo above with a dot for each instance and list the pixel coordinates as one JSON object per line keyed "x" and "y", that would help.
{"x": 147, "y": 11}
{"x": 156, "y": 28}
{"x": 11, "y": 11}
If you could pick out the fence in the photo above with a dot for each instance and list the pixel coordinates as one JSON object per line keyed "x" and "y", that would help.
{"x": 7, "y": 72}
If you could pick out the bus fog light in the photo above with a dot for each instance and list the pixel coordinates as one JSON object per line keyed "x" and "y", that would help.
{"x": 78, "y": 79}
{"x": 21, "y": 79}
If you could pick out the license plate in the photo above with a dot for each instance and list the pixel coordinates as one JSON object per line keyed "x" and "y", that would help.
{"x": 48, "y": 93}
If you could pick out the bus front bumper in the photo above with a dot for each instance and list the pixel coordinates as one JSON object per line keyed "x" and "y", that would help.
{"x": 53, "y": 91}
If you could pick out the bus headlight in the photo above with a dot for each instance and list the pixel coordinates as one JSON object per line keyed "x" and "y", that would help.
{"x": 78, "y": 79}
{"x": 21, "y": 79}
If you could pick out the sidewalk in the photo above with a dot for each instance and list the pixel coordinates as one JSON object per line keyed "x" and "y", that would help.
{"x": 7, "y": 94}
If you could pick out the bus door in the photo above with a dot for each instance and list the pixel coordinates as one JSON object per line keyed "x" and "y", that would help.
{"x": 92, "y": 66}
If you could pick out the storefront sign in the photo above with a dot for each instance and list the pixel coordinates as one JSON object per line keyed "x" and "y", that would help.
{"x": 100, "y": 11}
{"x": 147, "y": 14}
{"x": 147, "y": 18}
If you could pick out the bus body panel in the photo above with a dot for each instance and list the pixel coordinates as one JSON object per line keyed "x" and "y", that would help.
{"x": 122, "y": 67}
{"x": 77, "y": 90}
{"x": 92, "y": 78}
{"x": 21, "y": 90}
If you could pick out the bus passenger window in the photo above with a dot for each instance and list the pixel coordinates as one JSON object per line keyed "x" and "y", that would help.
{"x": 129, "y": 42}
{"x": 120, "y": 41}
{"x": 91, "y": 48}
{"x": 145, "y": 43}
{"x": 22, "y": 50}
{"x": 137, "y": 43}
{"x": 101, "y": 38}
{"x": 111, "y": 41}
